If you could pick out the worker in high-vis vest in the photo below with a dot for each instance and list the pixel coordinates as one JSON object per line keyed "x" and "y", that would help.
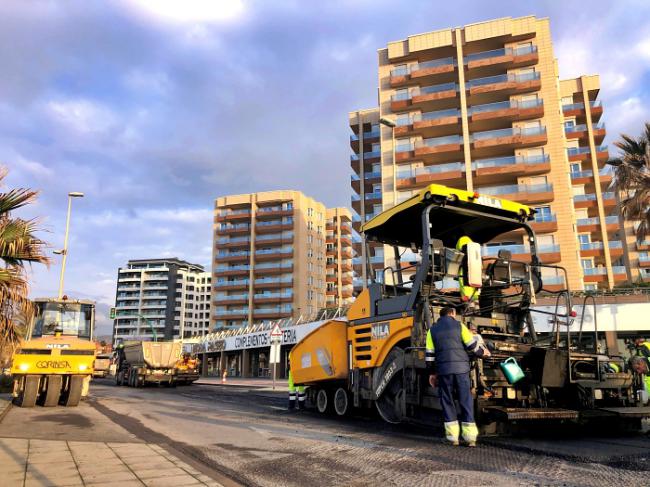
{"x": 467, "y": 293}
{"x": 642, "y": 347}
{"x": 641, "y": 365}
{"x": 295, "y": 392}
{"x": 447, "y": 359}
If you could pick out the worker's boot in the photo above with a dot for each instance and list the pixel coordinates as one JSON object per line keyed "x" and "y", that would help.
{"x": 469, "y": 433}
{"x": 292, "y": 401}
{"x": 301, "y": 400}
{"x": 452, "y": 431}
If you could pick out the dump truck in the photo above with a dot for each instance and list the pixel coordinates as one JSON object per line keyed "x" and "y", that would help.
{"x": 376, "y": 358}
{"x": 187, "y": 369}
{"x": 54, "y": 364}
{"x": 140, "y": 363}
{"x": 102, "y": 365}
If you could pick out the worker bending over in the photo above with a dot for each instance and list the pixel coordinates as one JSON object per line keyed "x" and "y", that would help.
{"x": 300, "y": 390}
{"x": 448, "y": 344}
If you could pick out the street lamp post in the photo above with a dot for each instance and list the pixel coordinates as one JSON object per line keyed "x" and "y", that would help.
{"x": 390, "y": 124}
{"x": 64, "y": 251}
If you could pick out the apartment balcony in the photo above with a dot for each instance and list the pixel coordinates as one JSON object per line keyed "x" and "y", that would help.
{"x": 265, "y": 212}
{"x": 486, "y": 62}
{"x": 599, "y": 274}
{"x": 548, "y": 254}
{"x": 583, "y": 154}
{"x": 232, "y": 285}
{"x": 430, "y": 124}
{"x": 272, "y": 226}
{"x": 369, "y": 178}
{"x": 270, "y": 314}
{"x": 544, "y": 223}
{"x": 589, "y": 200}
{"x": 272, "y": 254}
{"x": 495, "y": 115}
{"x": 495, "y": 88}
{"x": 267, "y": 298}
{"x": 503, "y": 169}
{"x": 527, "y": 194}
{"x": 272, "y": 268}
{"x": 426, "y": 71}
{"x": 644, "y": 261}
{"x": 642, "y": 245}
{"x": 581, "y": 133}
{"x": 493, "y": 142}
{"x": 578, "y": 110}
{"x": 597, "y": 249}
{"x": 368, "y": 158}
{"x": 438, "y": 149}
{"x": 242, "y": 256}
{"x": 235, "y": 270}
{"x": 427, "y": 98}
{"x": 230, "y": 299}
{"x": 230, "y": 229}
{"x": 273, "y": 239}
{"x": 273, "y": 282}
{"x": 241, "y": 314}
{"x": 232, "y": 215}
{"x": 593, "y": 224}
{"x": 368, "y": 138}
{"x": 449, "y": 174}
{"x": 233, "y": 242}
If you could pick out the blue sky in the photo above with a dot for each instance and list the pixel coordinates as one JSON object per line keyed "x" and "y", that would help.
{"x": 155, "y": 108}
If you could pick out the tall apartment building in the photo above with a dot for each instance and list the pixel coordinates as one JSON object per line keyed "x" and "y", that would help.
{"x": 278, "y": 254}
{"x": 170, "y": 296}
{"x": 481, "y": 108}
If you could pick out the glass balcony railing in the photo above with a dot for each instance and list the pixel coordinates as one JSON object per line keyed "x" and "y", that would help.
{"x": 231, "y": 312}
{"x": 268, "y": 223}
{"x": 435, "y": 63}
{"x": 493, "y": 134}
{"x": 273, "y": 236}
{"x": 274, "y": 280}
{"x": 584, "y": 197}
{"x": 274, "y": 265}
{"x": 437, "y": 141}
{"x": 493, "y": 250}
{"x": 505, "y": 105}
{"x": 401, "y": 71}
{"x": 436, "y": 115}
{"x": 372, "y": 175}
{"x": 594, "y": 271}
{"x": 373, "y": 196}
{"x": 581, "y": 174}
{"x": 644, "y": 258}
{"x": 231, "y": 297}
{"x": 404, "y": 147}
{"x": 573, "y": 106}
{"x": 282, "y": 295}
{"x": 517, "y": 188}
{"x": 355, "y": 197}
{"x": 581, "y": 222}
{"x": 226, "y": 240}
{"x": 509, "y": 161}
{"x": 436, "y": 169}
{"x": 236, "y": 282}
{"x": 238, "y": 226}
{"x": 426, "y": 90}
{"x": 244, "y": 211}
{"x": 618, "y": 269}
{"x": 243, "y": 253}
{"x": 591, "y": 245}
{"x": 273, "y": 309}
{"x": 615, "y": 244}
{"x": 503, "y": 78}
{"x": 581, "y": 128}
{"x": 270, "y": 209}
{"x": 507, "y": 51}
{"x": 225, "y": 268}
{"x": 553, "y": 280}
{"x": 608, "y": 196}
{"x": 366, "y": 135}
{"x": 273, "y": 251}
{"x": 545, "y": 217}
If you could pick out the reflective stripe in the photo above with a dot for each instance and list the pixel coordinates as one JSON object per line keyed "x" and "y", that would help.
{"x": 430, "y": 347}
{"x": 465, "y": 335}
{"x": 452, "y": 430}
{"x": 469, "y": 431}
{"x": 429, "y": 359}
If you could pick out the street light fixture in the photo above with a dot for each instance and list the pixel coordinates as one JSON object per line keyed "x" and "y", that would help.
{"x": 391, "y": 124}
{"x": 64, "y": 251}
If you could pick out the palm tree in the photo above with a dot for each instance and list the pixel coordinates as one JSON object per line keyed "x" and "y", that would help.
{"x": 632, "y": 179}
{"x": 18, "y": 247}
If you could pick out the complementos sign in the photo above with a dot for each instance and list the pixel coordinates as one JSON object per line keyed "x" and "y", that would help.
{"x": 290, "y": 336}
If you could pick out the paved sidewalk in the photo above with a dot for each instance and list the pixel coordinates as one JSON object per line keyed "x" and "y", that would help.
{"x": 259, "y": 384}
{"x": 31, "y": 463}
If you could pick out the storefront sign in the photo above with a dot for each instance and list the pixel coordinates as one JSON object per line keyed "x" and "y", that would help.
{"x": 290, "y": 336}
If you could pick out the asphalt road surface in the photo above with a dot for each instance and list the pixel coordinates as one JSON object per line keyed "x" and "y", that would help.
{"x": 245, "y": 436}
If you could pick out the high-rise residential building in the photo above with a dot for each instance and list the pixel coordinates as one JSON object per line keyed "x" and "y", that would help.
{"x": 481, "y": 108}
{"x": 277, "y": 254}
{"x": 170, "y": 296}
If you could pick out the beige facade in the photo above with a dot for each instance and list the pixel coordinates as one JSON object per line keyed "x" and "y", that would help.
{"x": 481, "y": 108}
{"x": 269, "y": 257}
{"x": 339, "y": 254}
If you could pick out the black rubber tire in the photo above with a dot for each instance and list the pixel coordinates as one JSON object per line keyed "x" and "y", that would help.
{"x": 72, "y": 396}
{"x": 131, "y": 379}
{"x": 29, "y": 394}
{"x": 323, "y": 401}
{"x": 387, "y": 403}
{"x": 140, "y": 381}
{"x": 341, "y": 402}
{"x": 53, "y": 391}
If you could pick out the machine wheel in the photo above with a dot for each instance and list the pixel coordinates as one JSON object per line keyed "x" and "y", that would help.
{"x": 131, "y": 379}
{"x": 29, "y": 394}
{"x": 323, "y": 401}
{"x": 388, "y": 403}
{"x": 341, "y": 401}
{"x": 72, "y": 396}
{"x": 139, "y": 381}
{"x": 53, "y": 391}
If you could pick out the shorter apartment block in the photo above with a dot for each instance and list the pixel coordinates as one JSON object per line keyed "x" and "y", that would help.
{"x": 168, "y": 297}
{"x": 278, "y": 254}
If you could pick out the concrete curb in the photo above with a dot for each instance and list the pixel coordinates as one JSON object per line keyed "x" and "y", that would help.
{"x": 5, "y": 405}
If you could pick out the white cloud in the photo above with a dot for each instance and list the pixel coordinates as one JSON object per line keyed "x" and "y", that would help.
{"x": 188, "y": 11}
{"x": 82, "y": 115}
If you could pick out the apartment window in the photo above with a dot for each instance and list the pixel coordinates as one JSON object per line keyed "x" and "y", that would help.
{"x": 545, "y": 240}
{"x": 575, "y": 167}
{"x": 569, "y": 123}
{"x": 587, "y": 263}
{"x": 538, "y": 180}
{"x": 310, "y": 212}
{"x": 591, "y": 287}
{"x": 584, "y": 238}
{"x": 310, "y": 239}
{"x": 310, "y": 281}
{"x": 543, "y": 214}
{"x": 578, "y": 190}
{"x": 567, "y": 100}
